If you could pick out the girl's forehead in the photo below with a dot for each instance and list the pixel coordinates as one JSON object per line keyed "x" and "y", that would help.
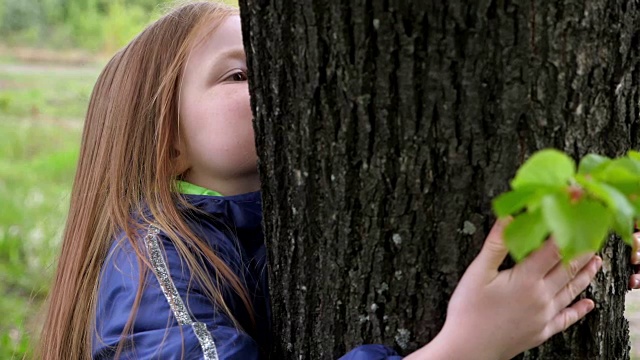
{"x": 219, "y": 37}
{"x": 216, "y": 45}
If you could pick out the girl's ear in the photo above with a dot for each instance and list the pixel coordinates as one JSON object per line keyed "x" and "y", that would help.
{"x": 179, "y": 158}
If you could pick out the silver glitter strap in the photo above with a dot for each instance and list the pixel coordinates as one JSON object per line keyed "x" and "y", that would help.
{"x": 173, "y": 297}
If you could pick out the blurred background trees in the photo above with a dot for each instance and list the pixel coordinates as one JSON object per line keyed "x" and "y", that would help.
{"x": 95, "y": 25}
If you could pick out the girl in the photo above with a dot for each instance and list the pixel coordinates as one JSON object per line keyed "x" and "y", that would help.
{"x": 163, "y": 255}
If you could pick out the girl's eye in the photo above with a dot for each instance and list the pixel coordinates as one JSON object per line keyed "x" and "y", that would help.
{"x": 237, "y": 76}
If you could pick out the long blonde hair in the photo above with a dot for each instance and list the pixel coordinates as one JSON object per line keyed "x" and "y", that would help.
{"x": 127, "y": 162}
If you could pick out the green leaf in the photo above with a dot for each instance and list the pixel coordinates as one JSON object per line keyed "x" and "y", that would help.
{"x": 556, "y": 211}
{"x": 548, "y": 167}
{"x": 591, "y": 162}
{"x": 628, "y": 188}
{"x": 631, "y": 165}
{"x": 525, "y": 234}
{"x": 576, "y": 227}
{"x": 513, "y": 201}
{"x": 622, "y": 173}
{"x": 618, "y": 170}
{"x": 623, "y": 226}
{"x": 633, "y": 155}
{"x": 618, "y": 204}
{"x": 635, "y": 202}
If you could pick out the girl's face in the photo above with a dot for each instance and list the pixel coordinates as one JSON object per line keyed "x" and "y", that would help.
{"x": 216, "y": 146}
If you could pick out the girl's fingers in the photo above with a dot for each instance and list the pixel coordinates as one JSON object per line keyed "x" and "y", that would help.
{"x": 635, "y": 251}
{"x": 562, "y": 274}
{"x": 494, "y": 250}
{"x": 569, "y": 316}
{"x": 541, "y": 261}
{"x": 566, "y": 295}
{"x": 634, "y": 281}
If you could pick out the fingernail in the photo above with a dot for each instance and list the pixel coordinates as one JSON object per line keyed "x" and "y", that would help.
{"x": 637, "y": 257}
{"x": 598, "y": 263}
{"x": 636, "y": 283}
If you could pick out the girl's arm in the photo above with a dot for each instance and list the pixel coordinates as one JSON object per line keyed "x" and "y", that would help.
{"x": 164, "y": 328}
{"x": 495, "y": 315}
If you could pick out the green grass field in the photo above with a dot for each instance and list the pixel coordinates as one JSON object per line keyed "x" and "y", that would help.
{"x": 41, "y": 114}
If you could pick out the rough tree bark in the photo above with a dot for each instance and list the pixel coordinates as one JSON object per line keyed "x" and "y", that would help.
{"x": 385, "y": 128}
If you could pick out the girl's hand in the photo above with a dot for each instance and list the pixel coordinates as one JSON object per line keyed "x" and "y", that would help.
{"x": 498, "y": 314}
{"x": 634, "y": 280}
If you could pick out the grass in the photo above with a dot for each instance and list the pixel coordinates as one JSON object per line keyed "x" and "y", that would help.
{"x": 49, "y": 95}
{"x": 40, "y": 125}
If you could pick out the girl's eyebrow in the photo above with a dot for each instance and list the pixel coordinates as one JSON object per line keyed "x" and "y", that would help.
{"x": 218, "y": 60}
{"x": 230, "y": 53}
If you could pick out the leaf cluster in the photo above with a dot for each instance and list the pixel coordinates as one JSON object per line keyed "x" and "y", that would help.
{"x": 577, "y": 207}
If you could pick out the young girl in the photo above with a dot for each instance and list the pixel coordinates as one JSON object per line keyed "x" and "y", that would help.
{"x": 163, "y": 255}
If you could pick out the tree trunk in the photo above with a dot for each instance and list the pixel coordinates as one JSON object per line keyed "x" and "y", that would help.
{"x": 386, "y": 127}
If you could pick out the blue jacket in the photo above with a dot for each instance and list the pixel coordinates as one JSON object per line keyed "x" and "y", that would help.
{"x": 188, "y": 325}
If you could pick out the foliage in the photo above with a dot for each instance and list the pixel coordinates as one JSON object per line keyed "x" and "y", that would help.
{"x": 95, "y": 25}
{"x": 578, "y": 207}
{"x": 119, "y": 22}
{"x": 18, "y": 15}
